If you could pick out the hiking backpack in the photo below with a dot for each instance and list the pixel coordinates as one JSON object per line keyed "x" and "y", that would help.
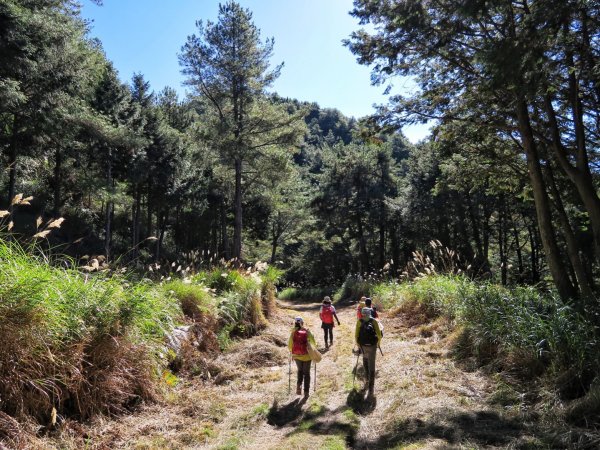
{"x": 300, "y": 342}
{"x": 367, "y": 334}
{"x": 327, "y": 314}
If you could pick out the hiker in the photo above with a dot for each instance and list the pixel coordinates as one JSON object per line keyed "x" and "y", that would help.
{"x": 361, "y": 305}
{"x": 368, "y": 304}
{"x": 327, "y": 314}
{"x": 368, "y": 338}
{"x": 298, "y": 345}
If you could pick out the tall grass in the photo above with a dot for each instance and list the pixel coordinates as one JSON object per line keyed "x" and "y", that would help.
{"x": 355, "y": 287}
{"x": 520, "y": 325}
{"x": 268, "y": 289}
{"x": 308, "y": 294}
{"x": 76, "y": 345}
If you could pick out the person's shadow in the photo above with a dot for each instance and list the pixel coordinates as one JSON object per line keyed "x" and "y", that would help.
{"x": 361, "y": 404}
{"x": 282, "y": 415}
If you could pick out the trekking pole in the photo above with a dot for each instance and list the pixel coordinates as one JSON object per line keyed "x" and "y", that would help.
{"x": 290, "y": 375}
{"x": 315, "y": 389}
{"x": 379, "y": 347}
{"x": 355, "y": 369}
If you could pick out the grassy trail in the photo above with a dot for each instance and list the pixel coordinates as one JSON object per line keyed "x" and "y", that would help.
{"x": 423, "y": 399}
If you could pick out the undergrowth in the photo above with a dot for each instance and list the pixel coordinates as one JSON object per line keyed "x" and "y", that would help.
{"x": 307, "y": 294}
{"x": 76, "y": 345}
{"x": 516, "y": 330}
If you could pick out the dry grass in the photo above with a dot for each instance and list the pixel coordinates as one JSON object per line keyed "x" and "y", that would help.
{"x": 424, "y": 399}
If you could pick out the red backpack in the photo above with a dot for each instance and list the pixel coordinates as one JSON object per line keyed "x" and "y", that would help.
{"x": 300, "y": 342}
{"x": 327, "y": 314}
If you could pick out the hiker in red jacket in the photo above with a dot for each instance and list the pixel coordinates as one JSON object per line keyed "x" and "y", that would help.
{"x": 298, "y": 345}
{"x": 327, "y": 314}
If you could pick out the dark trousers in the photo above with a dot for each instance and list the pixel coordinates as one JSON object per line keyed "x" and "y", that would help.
{"x": 369, "y": 356}
{"x": 327, "y": 331}
{"x": 303, "y": 374}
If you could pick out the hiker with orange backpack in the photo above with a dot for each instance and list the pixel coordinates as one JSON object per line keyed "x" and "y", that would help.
{"x": 361, "y": 305}
{"x": 368, "y": 337}
{"x": 298, "y": 343}
{"x": 327, "y": 314}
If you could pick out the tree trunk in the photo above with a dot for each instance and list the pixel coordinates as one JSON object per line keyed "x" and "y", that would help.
{"x": 161, "y": 224}
{"x": 276, "y": 234}
{"x": 533, "y": 256}
{"x": 237, "y": 211}
{"x": 579, "y": 175}
{"x": 12, "y": 171}
{"x": 395, "y": 248}
{"x": 573, "y": 250}
{"x": 518, "y": 248}
{"x": 364, "y": 256}
{"x": 502, "y": 243}
{"x": 109, "y": 209}
{"x": 137, "y": 206}
{"x": 148, "y": 214}
{"x": 542, "y": 203}
{"x": 224, "y": 236}
{"x": 57, "y": 181}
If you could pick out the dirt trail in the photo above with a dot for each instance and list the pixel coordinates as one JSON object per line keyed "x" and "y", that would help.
{"x": 423, "y": 399}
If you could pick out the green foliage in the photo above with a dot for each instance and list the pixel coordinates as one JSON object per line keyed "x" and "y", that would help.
{"x": 309, "y": 293}
{"x": 193, "y": 298}
{"x": 354, "y": 287}
{"x": 55, "y": 320}
{"x": 272, "y": 275}
{"x": 509, "y": 321}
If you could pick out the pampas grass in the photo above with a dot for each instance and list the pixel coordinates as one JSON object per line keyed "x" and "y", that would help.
{"x": 76, "y": 346}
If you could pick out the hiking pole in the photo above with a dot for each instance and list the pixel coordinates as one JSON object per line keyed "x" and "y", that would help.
{"x": 315, "y": 389}
{"x": 355, "y": 369}
{"x": 379, "y": 347}
{"x": 290, "y": 375}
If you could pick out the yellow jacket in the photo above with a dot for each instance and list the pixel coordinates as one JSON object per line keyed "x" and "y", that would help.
{"x": 310, "y": 338}
{"x": 377, "y": 331}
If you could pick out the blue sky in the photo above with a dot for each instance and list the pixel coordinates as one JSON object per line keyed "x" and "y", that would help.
{"x": 146, "y": 35}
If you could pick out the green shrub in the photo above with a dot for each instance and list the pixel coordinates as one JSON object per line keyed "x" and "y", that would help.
{"x": 353, "y": 288}
{"x": 220, "y": 279}
{"x": 307, "y": 294}
{"x": 507, "y": 323}
{"x": 193, "y": 298}
{"x": 269, "y": 278}
{"x": 79, "y": 344}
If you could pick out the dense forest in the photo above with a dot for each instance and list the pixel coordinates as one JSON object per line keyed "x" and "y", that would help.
{"x": 234, "y": 171}
{"x": 106, "y": 176}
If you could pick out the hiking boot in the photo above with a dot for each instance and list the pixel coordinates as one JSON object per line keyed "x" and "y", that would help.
{"x": 298, "y": 390}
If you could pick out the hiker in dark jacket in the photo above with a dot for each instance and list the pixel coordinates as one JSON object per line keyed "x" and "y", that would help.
{"x": 327, "y": 314}
{"x": 298, "y": 345}
{"x": 369, "y": 304}
{"x": 368, "y": 337}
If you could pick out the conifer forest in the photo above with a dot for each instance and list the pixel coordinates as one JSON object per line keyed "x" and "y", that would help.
{"x": 155, "y": 247}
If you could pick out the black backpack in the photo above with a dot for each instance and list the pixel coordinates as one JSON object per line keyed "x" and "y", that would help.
{"x": 367, "y": 334}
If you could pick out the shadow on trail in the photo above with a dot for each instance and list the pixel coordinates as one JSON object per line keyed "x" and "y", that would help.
{"x": 298, "y": 306}
{"x": 283, "y": 415}
{"x": 360, "y": 403}
{"x": 479, "y": 428}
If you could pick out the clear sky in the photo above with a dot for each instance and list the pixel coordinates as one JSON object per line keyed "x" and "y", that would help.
{"x": 146, "y": 36}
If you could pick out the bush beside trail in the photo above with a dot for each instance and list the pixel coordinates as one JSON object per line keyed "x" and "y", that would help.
{"x": 75, "y": 345}
{"x": 518, "y": 332}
